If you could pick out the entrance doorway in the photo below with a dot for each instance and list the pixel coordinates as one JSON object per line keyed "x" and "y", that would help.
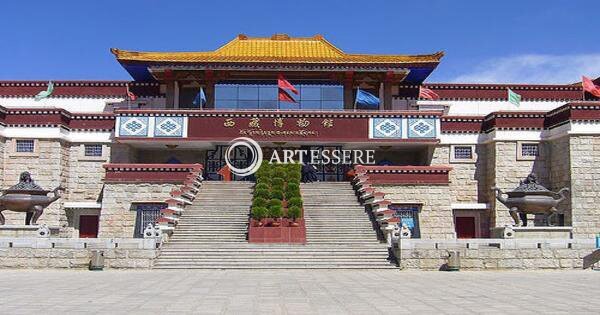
{"x": 328, "y": 172}
{"x": 465, "y": 227}
{"x": 88, "y": 226}
{"x": 215, "y": 160}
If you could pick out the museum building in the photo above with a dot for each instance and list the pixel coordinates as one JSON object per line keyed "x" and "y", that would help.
{"x": 120, "y": 148}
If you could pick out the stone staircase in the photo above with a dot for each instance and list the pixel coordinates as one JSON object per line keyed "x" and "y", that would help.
{"x": 211, "y": 234}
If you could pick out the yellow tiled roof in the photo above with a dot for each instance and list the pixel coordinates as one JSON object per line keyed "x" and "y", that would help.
{"x": 278, "y": 48}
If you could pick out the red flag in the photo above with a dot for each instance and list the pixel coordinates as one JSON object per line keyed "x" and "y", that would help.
{"x": 130, "y": 95}
{"x": 284, "y": 84}
{"x": 428, "y": 94}
{"x": 284, "y": 96}
{"x": 590, "y": 87}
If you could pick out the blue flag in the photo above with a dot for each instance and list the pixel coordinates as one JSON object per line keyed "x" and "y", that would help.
{"x": 366, "y": 99}
{"x": 200, "y": 99}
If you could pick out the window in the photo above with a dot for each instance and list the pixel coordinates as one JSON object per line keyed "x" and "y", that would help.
{"x": 93, "y": 150}
{"x": 463, "y": 154}
{"x": 25, "y": 146}
{"x": 409, "y": 216}
{"x": 529, "y": 149}
{"x": 266, "y": 96}
{"x": 147, "y": 213}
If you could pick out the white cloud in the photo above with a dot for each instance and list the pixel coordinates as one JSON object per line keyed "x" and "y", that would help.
{"x": 534, "y": 68}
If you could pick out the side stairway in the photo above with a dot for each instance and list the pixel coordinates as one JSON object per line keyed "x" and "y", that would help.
{"x": 336, "y": 220}
{"x": 211, "y": 233}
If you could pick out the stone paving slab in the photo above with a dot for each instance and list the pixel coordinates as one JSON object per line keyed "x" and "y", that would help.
{"x": 298, "y": 292}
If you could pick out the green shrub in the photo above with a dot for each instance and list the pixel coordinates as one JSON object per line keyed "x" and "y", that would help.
{"x": 275, "y": 211}
{"x": 296, "y": 201}
{"x": 273, "y": 202}
{"x": 294, "y": 181}
{"x": 292, "y": 187}
{"x": 290, "y": 194}
{"x": 259, "y": 202}
{"x": 294, "y": 212}
{"x": 277, "y": 194}
{"x": 259, "y": 213}
{"x": 279, "y": 172}
{"x": 264, "y": 180}
{"x": 262, "y": 186}
{"x": 262, "y": 193}
{"x": 277, "y": 182}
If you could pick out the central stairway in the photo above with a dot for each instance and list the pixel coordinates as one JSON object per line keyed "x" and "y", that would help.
{"x": 211, "y": 234}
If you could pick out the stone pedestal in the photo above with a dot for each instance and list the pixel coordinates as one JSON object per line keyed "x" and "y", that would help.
{"x": 25, "y": 231}
{"x": 533, "y": 232}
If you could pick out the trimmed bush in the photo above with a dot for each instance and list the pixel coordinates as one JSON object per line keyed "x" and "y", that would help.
{"x": 277, "y": 194}
{"x": 274, "y": 202}
{"x": 277, "y": 182}
{"x": 259, "y": 213}
{"x": 296, "y": 201}
{"x": 263, "y": 180}
{"x": 275, "y": 211}
{"x": 294, "y": 212}
{"x": 262, "y": 186}
{"x": 294, "y": 181}
{"x": 279, "y": 172}
{"x": 292, "y": 194}
{"x": 259, "y": 202}
{"x": 292, "y": 187}
{"x": 262, "y": 193}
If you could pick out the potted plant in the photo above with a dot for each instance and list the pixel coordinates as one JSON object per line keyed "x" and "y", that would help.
{"x": 293, "y": 213}
{"x": 258, "y": 214}
{"x": 275, "y": 212}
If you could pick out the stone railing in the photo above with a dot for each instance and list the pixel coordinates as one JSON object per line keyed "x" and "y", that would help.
{"x": 38, "y": 252}
{"x": 495, "y": 254}
{"x": 180, "y": 198}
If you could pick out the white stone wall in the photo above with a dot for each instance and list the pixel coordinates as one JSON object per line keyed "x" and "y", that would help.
{"x": 495, "y": 254}
{"x": 435, "y": 218}
{"x": 86, "y": 174}
{"x": 117, "y": 219}
{"x": 467, "y": 179}
{"x": 49, "y": 169}
{"x": 585, "y": 185}
{"x": 508, "y": 171}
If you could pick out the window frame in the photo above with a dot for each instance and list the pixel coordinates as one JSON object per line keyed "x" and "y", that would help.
{"x": 83, "y": 157}
{"x": 454, "y": 159}
{"x": 522, "y": 157}
{"x": 14, "y": 152}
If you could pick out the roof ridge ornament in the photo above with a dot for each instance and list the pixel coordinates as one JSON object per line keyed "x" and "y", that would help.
{"x": 280, "y": 36}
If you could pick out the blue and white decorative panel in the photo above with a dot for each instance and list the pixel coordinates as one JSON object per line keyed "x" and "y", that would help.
{"x": 421, "y": 128}
{"x": 168, "y": 126}
{"x": 386, "y": 128}
{"x": 133, "y": 126}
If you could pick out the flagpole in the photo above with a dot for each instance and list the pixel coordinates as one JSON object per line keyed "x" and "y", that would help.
{"x": 127, "y": 95}
{"x": 582, "y": 90}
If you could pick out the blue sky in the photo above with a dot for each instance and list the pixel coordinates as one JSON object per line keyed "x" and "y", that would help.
{"x": 485, "y": 41}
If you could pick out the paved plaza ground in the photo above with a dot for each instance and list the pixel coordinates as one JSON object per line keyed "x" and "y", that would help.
{"x": 298, "y": 292}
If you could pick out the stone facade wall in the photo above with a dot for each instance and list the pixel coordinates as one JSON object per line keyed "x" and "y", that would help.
{"x": 467, "y": 179}
{"x": 116, "y": 217}
{"x": 559, "y": 163}
{"x": 86, "y": 174}
{"x": 509, "y": 171}
{"x": 76, "y": 253}
{"x": 435, "y": 218}
{"x": 48, "y": 167}
{"x": 585, "y": 185}
{"x": 495, "y": 254}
